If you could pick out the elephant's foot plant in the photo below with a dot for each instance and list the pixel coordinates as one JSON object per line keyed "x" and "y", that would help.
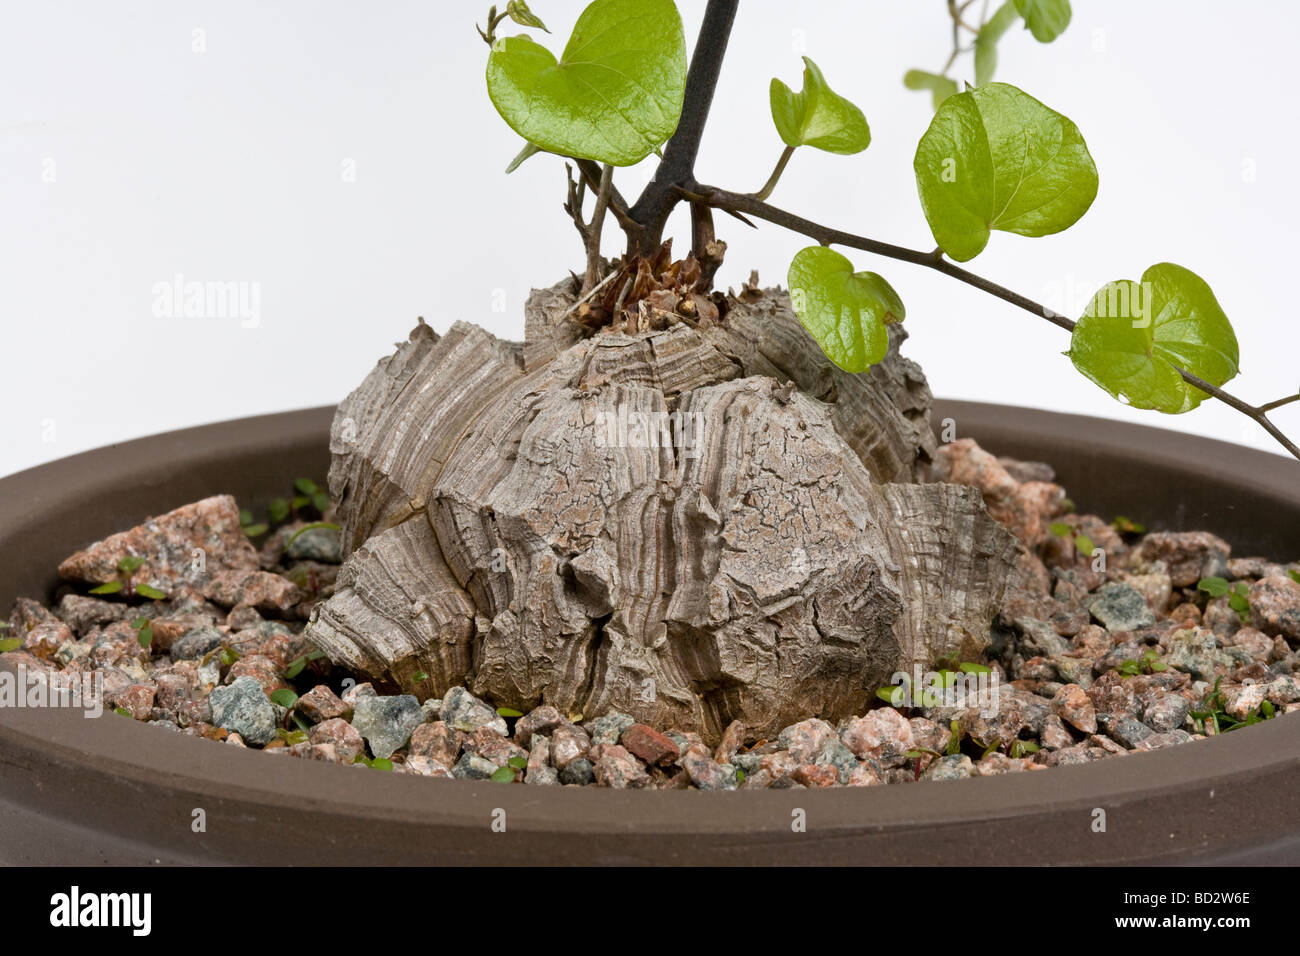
{"x": 696, "y": 507}
{"x": 680, "y": 537}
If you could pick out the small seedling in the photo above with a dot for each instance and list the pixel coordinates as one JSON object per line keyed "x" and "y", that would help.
{"x": 1023, "y": 748}
{"x": 1238, "y": 594}
{"x": 378, "y": 763}
{"x": 1149, "y": 663}
{"x": 295, "y": 666}
{"x": 509, "y": 712}
{"x": 1212, "y": 713}
{"x": 291, "y": 737}
{"x": 126, "y": 567}
{"x": 1082, "y": 543}
{"x": 143, "y": 631}
{"x": 1127, "y": 526}
{"x": 285, "y": 697}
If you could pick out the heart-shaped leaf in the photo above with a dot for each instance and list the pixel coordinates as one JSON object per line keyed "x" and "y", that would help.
{"x": 614, "y": 96}
{"x": 845, "y": 311}
{"x": 940, "y": 87}
{"x": 1045, "y": 19}
{"x": 996, "y": 158}
{"x": 986, "y": 41}
{"x": 1134, "y": 334}
{"x": 817, "y": 116}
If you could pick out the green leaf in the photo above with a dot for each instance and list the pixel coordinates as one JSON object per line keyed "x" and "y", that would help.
{"x": 381, "y": 763}
{"x": 112, "y": 587}
{"x": 295, "y": 668}
{"x": 518, "y": 11}
{"x": 614, "y": 95}
{"x": 130, "y": 563}
{"x": 121, "y": 712}
{"x": 320, "y": 501}
{"x": 996, "y": 158}
{"x": 245, "y": 517}
{"x": 1126, "y": 525}
{"x": 300, "y": 501}
{"x": 285, "y": 697}
{"x": 10, "y": 644}
{"x": 503, "y": 775}
{"x": 278, "y": 510}
{"x": 940, "y": 87}
{"x": 1061, "y": 529}
{"x": 986, "y": 41}
{"x": 150, "y": 592}
{"x": 817, "y": 116}
{"x": 419, "y": 677}
{"x": 1133, "y": 335}
{"x": 846, "y": 312}
{"x": 1045, "y": 19}
{"x": 1214, "y": 587}
{"x": 255, "y": 530}
{"x": 969, "y": 668}
{"x": 508, "y": 712}
{"x": 305, "y": 486}
{"x": 519, "y": 763}
{"x": 145, "y": 635}
{"x": 892, "y": 695}
{"x": 1294, "y": 575}
{"x": 1084, "y": 545}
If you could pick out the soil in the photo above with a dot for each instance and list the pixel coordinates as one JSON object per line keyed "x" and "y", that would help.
{"x": 1115, "y": 642}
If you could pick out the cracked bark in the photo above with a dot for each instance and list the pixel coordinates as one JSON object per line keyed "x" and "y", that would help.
{"x": 532, "y": 521}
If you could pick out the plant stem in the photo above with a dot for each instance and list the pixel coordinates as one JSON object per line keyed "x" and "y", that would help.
{"x": 738, "y": 202}
{"x": 776, "y": 174}
{"x": 1269, "y": 406}
{"x": 650, "y": 214}
{"x": 595, "y": 263}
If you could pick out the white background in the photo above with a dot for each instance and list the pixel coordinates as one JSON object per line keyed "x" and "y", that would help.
{"x": 227, "y": 164}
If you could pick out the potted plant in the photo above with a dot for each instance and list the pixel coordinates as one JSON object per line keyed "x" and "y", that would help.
{"x": 681, "y": 539}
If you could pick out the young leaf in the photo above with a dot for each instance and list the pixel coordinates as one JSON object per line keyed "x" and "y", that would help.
{"x": 130, "y": 564}
{"x": 892, "y": 695}
{"x": 245, "y": 517}
{"x": 940, "y": 87}
{"x": 150, "y": 592}
{"x": 1214, "y": 587}
{"x": 255, "y": 530}
{"x": 295, "y": 667}
{"x": 817, "y": 116}
{"x": 503, "y": 775}
{"x": 112, "y": 587}
{"x": 519, "y": 763}
{"x": 996, "y": 158}
{"x": 1045, "y": 19}
{"x": 285, "y": 697}
{"x": 846, "y": 312}
{"x": 986, "y": 41}
{"x": 278, "y": 510}
{"x": 320, "y": 501}
{"x": 381, "y": 763}
{"x": 1084, "y": 545}
{"x": 145, "y": 635}
{"x": 1293, "y": 574}
{"x": 968, "y": 668}
{"x": 508, "y": 712}
{"x": 614, "y": 95}
{"x": 518, "y": 11}
{"x": 304, "y": 486}
{"x": 10, "y": 644}
{"x": 1133, "y": 335}
{"x": 1126, "y": 525}
{"x": 1061, "y": 529}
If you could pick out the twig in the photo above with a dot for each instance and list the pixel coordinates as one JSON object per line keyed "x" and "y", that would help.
{"x": 826, "y": 236}
{"x": 595, "y": 263}
{"x": 586, "y": 296}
